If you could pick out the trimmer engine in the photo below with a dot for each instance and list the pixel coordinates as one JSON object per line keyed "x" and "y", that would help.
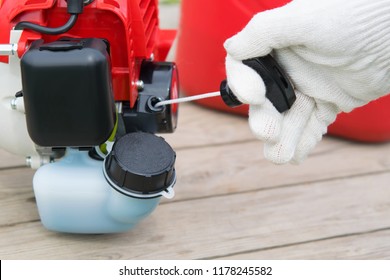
{"x": 79, "y": 81}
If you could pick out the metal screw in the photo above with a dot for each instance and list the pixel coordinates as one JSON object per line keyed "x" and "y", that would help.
{"x": 13, "y": 104}
{"x": 140, "y": 85}
{"x": 119, "y": 107}
{"x": 28, "y": 161}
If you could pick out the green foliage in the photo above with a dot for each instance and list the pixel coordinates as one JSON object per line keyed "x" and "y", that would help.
{"x": 169, "y": 1}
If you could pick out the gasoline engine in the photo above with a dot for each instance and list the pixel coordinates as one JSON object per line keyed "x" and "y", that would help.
{"x": 78, "y": 83}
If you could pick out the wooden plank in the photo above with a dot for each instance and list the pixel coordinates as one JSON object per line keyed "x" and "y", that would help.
{"x": 366, "y": 246}
{"x": 223, "y": 157}
{"x": 17, "y": 201}
{"x": 226, "y": 169}
{"x": 236, "y": 170}
{"x": 223, "y": 225}
{"x": 200, "y": 126}
{"x": 241, "y": 167}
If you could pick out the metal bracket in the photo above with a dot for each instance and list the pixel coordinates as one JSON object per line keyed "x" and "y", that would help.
{"x": 8, "y": 49}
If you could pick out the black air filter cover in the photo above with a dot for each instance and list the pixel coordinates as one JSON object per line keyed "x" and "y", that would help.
{"x": 67, "y": 92}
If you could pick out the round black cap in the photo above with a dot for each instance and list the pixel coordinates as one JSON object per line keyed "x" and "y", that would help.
{"x": 228, "y": 96}
{"x": 141, "y": 163}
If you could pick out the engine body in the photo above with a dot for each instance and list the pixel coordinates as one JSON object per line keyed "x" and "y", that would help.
{"x": 77, "y": 77}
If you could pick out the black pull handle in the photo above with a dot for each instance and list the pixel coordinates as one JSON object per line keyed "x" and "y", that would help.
{"x": 278, "y": 87}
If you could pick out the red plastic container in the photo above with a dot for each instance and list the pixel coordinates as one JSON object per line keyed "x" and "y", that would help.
{"x": 370, "y": 123}
{"x": 204, "y": 27}
{"x": 200, "y": 57}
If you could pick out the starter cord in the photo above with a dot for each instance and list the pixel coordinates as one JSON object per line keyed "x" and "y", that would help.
{"x": 187, "y": 99}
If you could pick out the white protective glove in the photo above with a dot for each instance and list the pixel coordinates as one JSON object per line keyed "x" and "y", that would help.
{"x": 337, "y": 55}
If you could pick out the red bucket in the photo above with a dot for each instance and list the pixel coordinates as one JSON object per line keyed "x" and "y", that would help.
{"x": 200, "y": 57}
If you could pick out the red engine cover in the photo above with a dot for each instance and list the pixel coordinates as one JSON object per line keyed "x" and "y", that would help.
{"x": 130, "y": 26}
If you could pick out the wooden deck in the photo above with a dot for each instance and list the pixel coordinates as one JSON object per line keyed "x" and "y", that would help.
{"x": 230, "y": 203}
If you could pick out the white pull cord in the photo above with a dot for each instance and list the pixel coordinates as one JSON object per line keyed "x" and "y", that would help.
{"x": 187, "y": 99}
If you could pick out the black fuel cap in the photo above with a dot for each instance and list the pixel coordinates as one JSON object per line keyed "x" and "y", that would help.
{"x": 141, "y": 165}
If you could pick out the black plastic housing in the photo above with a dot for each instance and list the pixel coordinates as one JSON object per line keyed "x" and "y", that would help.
{"x": 279, "y": 89}
{"x": 75, "y": 6}
{"x": 160, "y": 82}
{"x": 67, "y": 92}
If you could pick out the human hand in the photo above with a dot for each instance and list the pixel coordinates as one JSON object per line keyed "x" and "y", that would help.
{"x": 337, "y": 55}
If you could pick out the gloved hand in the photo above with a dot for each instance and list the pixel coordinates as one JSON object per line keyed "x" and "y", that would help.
{"x": 337, "y": 55}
